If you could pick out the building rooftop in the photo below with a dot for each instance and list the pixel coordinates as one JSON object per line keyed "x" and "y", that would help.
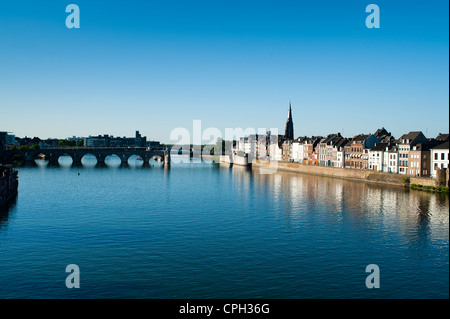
{"x": 442, "y": 137}
{"x": 410, "y": 137}
{"x": 380, "y": 147}
{"x": 443, "y": 146}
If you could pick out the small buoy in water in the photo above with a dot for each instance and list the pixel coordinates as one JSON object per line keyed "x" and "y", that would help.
{"x": 78, "y": 173}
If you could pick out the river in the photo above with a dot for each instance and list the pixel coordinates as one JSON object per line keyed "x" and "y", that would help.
{"x": 201, "y": 230}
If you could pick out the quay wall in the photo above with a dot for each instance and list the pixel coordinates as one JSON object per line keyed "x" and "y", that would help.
{"x": 346, "y": 173}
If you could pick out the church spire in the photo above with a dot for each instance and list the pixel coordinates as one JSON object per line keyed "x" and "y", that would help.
{"x": 289, "y": 112}
{"x": 289, "y": 131}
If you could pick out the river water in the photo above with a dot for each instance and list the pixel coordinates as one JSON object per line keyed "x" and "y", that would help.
{"x": 201, "y": 230}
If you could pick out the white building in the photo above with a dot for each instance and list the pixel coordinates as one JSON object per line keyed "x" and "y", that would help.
{"x": 385, "y": 165}
{"x": 376, "y": 157}
{"x": 393, "y": 160}
{"x": 297, "y": 151}
{"x": 407, "y": 141}
{"x": 439, "y": 158}
{"x": 276, "y": 152}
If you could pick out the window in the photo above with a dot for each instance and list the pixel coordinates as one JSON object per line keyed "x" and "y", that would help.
{"x": 435, "y": 156}
{"x": 435, "y": 166}
{"x": 442, "y": 156}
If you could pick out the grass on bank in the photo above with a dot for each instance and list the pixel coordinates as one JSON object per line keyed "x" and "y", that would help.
{"x": 439, "y": 189}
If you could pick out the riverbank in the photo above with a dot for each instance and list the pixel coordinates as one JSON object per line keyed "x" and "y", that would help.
{"x": 420, "y": 183}
{"x": 8, "y": 184}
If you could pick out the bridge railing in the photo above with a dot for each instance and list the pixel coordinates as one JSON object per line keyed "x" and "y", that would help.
{"x": 84, "y": 148}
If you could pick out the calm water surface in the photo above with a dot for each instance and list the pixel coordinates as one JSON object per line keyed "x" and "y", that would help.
{"x": 200, "y": 230}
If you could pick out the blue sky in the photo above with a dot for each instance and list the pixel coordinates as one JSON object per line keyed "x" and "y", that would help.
{"x": 157, "y": 65}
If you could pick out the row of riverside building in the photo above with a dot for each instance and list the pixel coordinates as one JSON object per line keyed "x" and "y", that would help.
{"x": 412, "y": 154}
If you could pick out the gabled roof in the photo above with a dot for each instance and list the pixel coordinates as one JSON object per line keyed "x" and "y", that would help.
{"x": 381, "y": 132}
{"x": 380, "y": 147}
{"x": 421, "y": 147}
{"x": 394, "y": 149}
{"x": 411, "y": 136}
{"x": 360, "y": 138}
{"x": 442, "y": 137}
{"x": 342, "y": 142}
{"x": 443, "y": 146}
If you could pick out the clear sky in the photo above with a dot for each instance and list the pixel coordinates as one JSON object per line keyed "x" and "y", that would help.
{"x": 157, "y": 65}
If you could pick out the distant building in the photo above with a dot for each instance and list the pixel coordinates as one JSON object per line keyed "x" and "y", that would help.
{"x": 376, "y": 157}
{"x": 405, "y": 144}
{"x": 50, "y": 143}
{"x": 111, "y": 141}
{"x": 442, "y": 138}
{"x": 7, "y": 140}
{"x": 327, "y": 151}
{"x": 298, "y": 149}
{"x": 3, "y": 140}
{"x": 98, "y": 141}
{"x": 420, "y": 160}
{"x": 439, "y": 157}
{"x": 310, "y": 150}
{"x": 152, "y": 144}
{"x": 275, "y": 149}
{"x": 384, "y": 136}
{"x": 392, "y": 160}
{"x": 28, "y": 141}
{"x": 357, "y": 151}
{"x": 286, "y": 154}
{"x": 289, "y": 130}
{"x": 339, "y": 153}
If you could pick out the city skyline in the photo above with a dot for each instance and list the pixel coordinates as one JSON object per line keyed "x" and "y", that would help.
{"x": 159, "y": 66}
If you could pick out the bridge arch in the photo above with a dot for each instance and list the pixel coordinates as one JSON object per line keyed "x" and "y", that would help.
{"x": 88, "y": 160}
{"x": 76, "y": 155}
{"x": 135, "y": 160}
{"x": 64, "y": 159}
{"x": 111, "y": 159}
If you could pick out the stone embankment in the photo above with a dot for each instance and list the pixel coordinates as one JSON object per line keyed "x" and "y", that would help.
{"x": 355, "y": 174}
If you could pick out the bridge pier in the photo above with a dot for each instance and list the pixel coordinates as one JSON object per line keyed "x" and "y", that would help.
{"x": 167, "y": 159}
{"x": 52, "y": 158}
{"x": 76, "y": 159}
{"x": 124, "y": 159}
{"x": 146, "y": 159}
{"x": 100, "y": 159}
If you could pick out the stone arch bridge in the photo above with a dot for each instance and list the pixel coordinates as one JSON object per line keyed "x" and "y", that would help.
{"x": 52, "y": 155}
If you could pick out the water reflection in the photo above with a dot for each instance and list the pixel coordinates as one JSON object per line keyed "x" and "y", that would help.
{"x": 89, "y": 161}
{"x": 135, "y": 161}
{"x": 416, "y": 215}
{"x": 41, "y": 162}
{"x": 6, "y": 210}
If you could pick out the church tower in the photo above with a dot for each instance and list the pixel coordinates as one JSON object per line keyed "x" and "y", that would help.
{"x": 289, "y": 131}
